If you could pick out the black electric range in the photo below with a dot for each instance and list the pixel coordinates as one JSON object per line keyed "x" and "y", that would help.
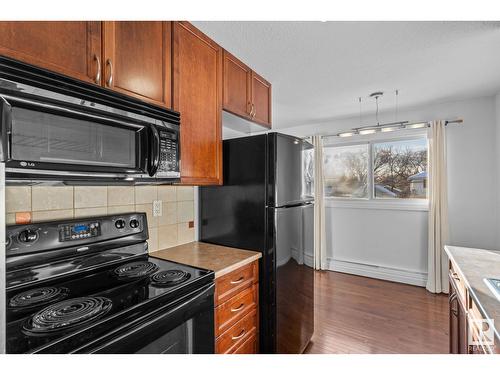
{"x": 89, "y": 286}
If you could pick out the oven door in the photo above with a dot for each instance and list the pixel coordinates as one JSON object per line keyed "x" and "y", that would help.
{"x": 41, "y": 136}
{"x": 185, "y": 327}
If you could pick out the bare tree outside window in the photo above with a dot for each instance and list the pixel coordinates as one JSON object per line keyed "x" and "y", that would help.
{"x": 399, "y": 170}
{"x": 346, "y": 171}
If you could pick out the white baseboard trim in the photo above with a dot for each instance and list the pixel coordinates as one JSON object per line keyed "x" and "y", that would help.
{"x": 378, "y": 272}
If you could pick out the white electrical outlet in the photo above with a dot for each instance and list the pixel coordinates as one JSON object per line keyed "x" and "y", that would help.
{"x": 157, "y": 208}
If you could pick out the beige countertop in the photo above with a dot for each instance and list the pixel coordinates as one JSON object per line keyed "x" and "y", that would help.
{"x": 220, "y": 259}
{"x": 476, "y": 265}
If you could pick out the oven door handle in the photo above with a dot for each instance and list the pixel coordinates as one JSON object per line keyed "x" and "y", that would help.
{"x": 6, "y": 129}
{"x": 154, "y": 152}
{"x": 127, "y": 333}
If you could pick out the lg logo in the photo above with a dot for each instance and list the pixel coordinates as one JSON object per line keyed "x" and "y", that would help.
{"x": 26, "y": 164}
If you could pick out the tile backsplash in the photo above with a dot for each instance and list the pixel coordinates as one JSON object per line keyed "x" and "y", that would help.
{"x": 67, "y": 202}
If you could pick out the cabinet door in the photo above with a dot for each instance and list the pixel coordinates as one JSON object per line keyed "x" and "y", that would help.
{"x": 237, "y": 83}
{"x": 137, "y": 58}
{"x": 70, "y": 48}
{"x": 197, "y": 95}
{"x": 458, "y": 322}
{"x": 261, "y": 99}
{"x": 454, "y": 325}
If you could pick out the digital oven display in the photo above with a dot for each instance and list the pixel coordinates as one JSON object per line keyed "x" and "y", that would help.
{"x": 80, "y": 228}
{"x": 79, "y": 231}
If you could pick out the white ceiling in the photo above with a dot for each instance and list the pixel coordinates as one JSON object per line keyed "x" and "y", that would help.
{"x": 319, "y": 69}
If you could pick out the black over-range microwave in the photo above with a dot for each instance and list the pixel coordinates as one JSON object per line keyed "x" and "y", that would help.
{"x": 54, "y": 128}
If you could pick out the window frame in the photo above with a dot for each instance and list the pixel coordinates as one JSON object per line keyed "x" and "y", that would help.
{"x": 406, "y": 204}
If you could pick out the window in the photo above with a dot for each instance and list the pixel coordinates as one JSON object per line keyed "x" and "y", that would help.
{"x": 346, "y": 171}
{"x": 378, "y": 170}
{"x": 400, "y": 169}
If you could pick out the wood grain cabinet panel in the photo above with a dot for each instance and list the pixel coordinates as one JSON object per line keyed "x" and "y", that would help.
{"x": 237, "y": 334}
{"x": 249, "y": 346}
{"x": 246, "y": 94}
{"x": 237, "y": 311}
{"x": 137, "y": 60}
{"x": 237, "y": 86}
{"x": 70, "y": 48}
{"x": 234, "y": 282}
{"x": 261, "y": 99}
{"x": 197, "y": 95}
{"x": 231, "y": 311}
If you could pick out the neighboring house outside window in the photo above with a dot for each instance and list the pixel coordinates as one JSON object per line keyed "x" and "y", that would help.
{"x": 390, "y": 169}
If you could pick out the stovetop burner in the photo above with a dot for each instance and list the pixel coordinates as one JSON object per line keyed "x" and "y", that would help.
{"x": 169, "y": 277}
{"x": 37, "y": 297}
{"x": 135, "y": 270}
{"x": 67, "y": 314}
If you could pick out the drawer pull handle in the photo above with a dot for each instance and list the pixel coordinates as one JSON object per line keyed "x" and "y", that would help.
{"x": 238, "y": 308}
{"x": 238, "y": 281}
{"x": 240, "y": 335}
{"x": 455, "y": 276}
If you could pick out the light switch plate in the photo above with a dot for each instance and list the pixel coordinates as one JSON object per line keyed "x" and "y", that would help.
{"x": 157, "y": 208}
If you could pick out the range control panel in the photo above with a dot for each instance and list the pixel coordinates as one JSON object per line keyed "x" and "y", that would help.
{"x": 77, "y": 231}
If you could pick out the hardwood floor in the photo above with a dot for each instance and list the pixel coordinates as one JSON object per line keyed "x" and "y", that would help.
{"x": 355, "y": 314}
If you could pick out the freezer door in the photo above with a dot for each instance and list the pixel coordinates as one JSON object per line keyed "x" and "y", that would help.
{"x": 291, "y": 170}
{"x": 294, "y": 278}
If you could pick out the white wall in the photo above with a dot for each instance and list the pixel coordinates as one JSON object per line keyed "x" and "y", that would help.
{"x": 395, "y": 241}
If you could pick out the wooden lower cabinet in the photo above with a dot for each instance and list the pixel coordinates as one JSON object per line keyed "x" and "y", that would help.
{"x": 458, "y": 321}
{"x": 466, "y": 320}
{"x": 237, "y": 311}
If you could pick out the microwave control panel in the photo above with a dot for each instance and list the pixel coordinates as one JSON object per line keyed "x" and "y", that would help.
{"x": 79, "y": 231}
{"x": 168, "y": 152}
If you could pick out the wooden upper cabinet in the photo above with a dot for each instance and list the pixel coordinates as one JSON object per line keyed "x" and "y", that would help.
{"x": 237, "y": 86}
{"x": 137, "y": 59}
{"x": 70, "y": 48}
{"x": 197, "y": 95}
{"x": 261, "y": 100}
{"x": 246, "y": 93}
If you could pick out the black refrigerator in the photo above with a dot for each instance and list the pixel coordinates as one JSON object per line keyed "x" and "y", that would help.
{"x": 266, "y": 204}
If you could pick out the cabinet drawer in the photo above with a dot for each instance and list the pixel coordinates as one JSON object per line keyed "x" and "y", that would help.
{"x": 238, "y": 306}
{"x": 237, "y": 334}
{"x": 249, "y": 346}
{"x": 234, "y": 282}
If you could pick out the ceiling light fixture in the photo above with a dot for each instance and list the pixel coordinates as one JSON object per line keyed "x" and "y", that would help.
{"x": 346, "y": 134}
{"x": 368, "y": 131}
{"x": 417, "y": 125}
{"x": 387, "y": 129}
{"x": 389, "y": 126}
{"x": 376, "y": 95}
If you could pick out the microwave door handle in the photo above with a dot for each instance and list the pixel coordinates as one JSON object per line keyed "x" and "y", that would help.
{"x": 155, "y": 152}
{"x": 6, "y": 129}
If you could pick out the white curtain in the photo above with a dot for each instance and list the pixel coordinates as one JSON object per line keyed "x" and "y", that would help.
{"x": 437, "y": 276}
{"x": 319, "y": 206}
